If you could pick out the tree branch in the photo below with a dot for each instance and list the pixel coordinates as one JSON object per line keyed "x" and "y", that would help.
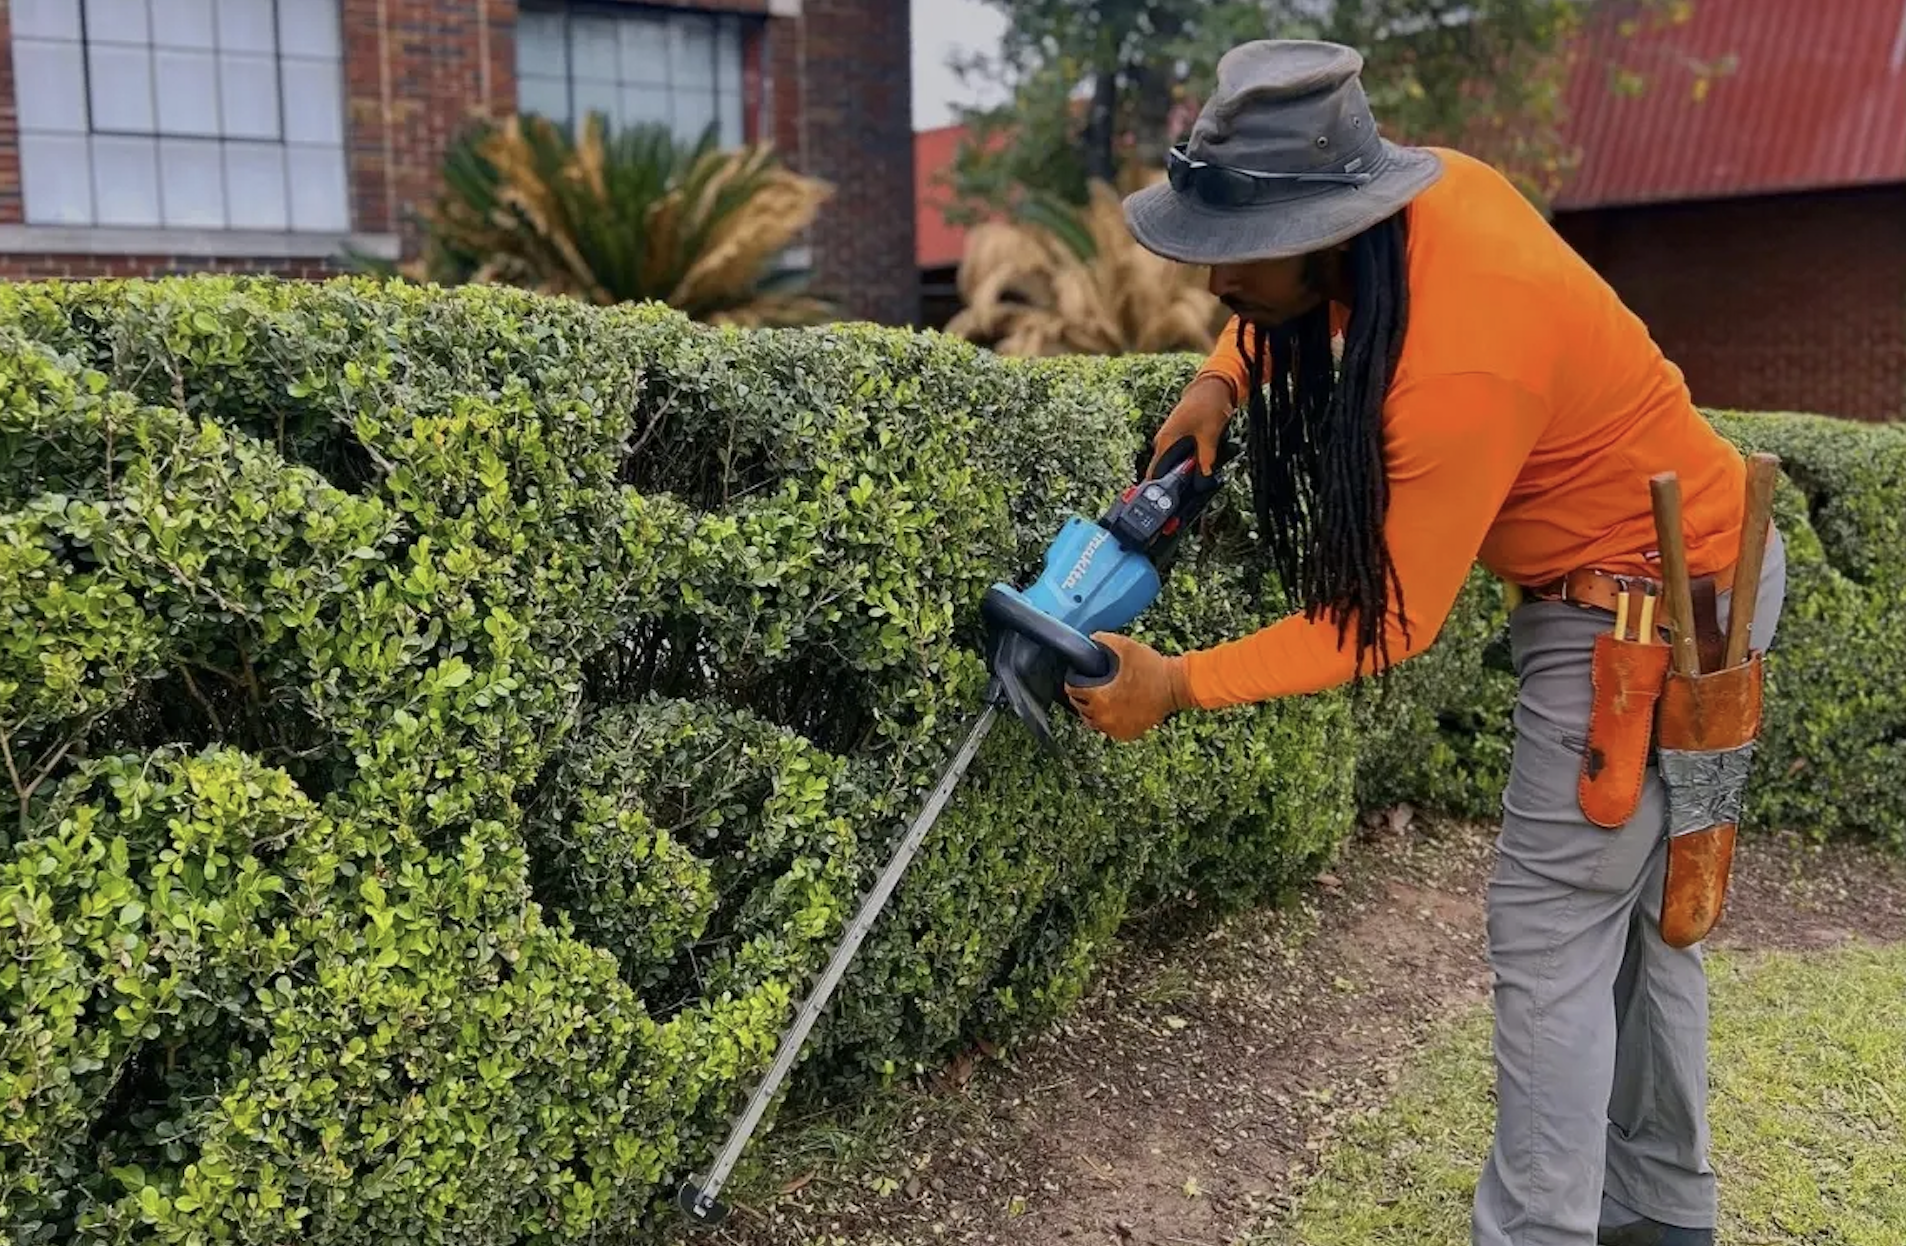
{"x": 42, "y": 770}
{"x": 251, "y": 677}
{"x": 46, "y": 768}
{"x": 13, "y": 772}
{"x": 191, "y": 686}
{"x": 235, "y": 681}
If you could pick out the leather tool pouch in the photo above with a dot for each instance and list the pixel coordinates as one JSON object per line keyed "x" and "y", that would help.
{"x": 1627, "y": 679}
{"x": 1709, "y": 725}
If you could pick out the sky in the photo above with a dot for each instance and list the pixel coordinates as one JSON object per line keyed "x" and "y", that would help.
{"x": 941, "y": 27}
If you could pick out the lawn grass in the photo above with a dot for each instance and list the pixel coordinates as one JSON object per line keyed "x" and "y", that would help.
{"x": 1808, "y": 1067}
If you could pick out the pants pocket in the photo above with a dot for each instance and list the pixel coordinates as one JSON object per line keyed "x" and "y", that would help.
{"x": 1627, "y": 678}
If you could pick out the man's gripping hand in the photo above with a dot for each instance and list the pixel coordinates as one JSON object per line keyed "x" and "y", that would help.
{"x": 1202, "y": 412}
{"x": 1147, "y": 689}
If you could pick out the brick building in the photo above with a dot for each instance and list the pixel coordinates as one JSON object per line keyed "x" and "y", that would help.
{"x": 1759, "y": 229}
{"x": 155, "y": 136}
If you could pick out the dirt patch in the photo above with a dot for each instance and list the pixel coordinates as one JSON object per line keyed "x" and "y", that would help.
{"x": 1194, "y": 1082}
{"x": 1187, "y": 1096}
{"x": 1792, "y": 895}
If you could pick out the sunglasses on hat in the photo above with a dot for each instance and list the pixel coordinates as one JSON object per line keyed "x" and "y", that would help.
{"x": 1223, "y": 186}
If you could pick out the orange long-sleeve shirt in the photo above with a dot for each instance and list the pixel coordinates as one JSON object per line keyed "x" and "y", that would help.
{"x": 1528, "y": 410}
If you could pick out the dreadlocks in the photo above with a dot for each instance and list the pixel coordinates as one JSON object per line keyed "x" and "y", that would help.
{"x": 1316, "y": 446}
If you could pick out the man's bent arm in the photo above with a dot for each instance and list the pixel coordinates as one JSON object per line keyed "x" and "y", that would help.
{"x": 1454, "y": 447}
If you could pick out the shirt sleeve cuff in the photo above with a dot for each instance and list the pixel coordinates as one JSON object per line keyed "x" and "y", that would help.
{"x": 1231, "y": 383}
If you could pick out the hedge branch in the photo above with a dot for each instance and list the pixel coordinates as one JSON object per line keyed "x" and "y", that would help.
{"x": 13, "y": 772}
{"x": 111, "y": 489}
{"x": 251, "y": 677}
{"x": 655, "y": 422}
{"x": 234, "y": 680}
{"x": 45, "y": 769}
{"x": 41, "y": 769}
{"x": 191, "y": 686}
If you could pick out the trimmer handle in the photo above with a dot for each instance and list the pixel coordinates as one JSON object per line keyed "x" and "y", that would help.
{"x": 1152, "y": 515}
{"x": 1185, "y": 450}
{"x": 1085, "y": 659}
{"x": 1077, "y": 677}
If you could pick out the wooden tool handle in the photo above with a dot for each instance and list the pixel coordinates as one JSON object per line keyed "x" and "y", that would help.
{"x": 1666, "y": 489}
{"x": 1763, "y": 472}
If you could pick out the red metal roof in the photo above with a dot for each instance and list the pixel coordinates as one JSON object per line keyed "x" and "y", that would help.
{"x": 1817, "y": 99}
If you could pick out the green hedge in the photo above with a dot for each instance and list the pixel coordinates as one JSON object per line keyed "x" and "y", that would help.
{"x": 458, "y": 725}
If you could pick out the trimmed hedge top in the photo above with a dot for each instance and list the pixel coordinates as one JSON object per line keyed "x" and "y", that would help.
{"x": 449, "y": 730}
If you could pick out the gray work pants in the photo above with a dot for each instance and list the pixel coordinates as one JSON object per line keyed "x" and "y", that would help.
{"x": 1600, "y": 1027}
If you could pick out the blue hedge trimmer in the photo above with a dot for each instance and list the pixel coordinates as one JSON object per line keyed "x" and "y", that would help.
{"x": 1098, "y": 577}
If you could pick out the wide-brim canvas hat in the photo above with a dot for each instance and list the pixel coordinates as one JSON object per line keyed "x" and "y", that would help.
{"x": 1284, "y": 159}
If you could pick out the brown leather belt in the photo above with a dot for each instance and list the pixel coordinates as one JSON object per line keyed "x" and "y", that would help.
{"x": 1600, "y": 590}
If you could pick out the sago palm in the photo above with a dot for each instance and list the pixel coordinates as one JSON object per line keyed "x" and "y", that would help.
{"x": 1060, "y": 280}
{"x": 620, "y": 217}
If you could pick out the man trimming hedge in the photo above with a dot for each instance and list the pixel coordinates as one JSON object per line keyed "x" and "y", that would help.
{"x": 1495, "y": 401}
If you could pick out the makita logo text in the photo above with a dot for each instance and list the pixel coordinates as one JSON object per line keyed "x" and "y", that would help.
{"x": 1085, "y": 561}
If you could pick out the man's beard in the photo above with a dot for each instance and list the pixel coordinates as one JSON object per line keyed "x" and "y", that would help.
{"x": 1311, "y": 287}
{"x": 1249, "y": 313}
{"x": 1265, "y": 318}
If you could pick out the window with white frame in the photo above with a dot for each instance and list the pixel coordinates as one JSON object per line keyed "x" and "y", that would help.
{"x": 187, "y": 114}
{"x": 633, "y": 65}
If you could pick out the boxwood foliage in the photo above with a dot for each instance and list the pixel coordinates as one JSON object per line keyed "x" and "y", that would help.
{"x": 447, "y": 732}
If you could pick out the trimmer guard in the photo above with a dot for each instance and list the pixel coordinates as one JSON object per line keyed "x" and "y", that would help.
{"x": 1030, "y": 653}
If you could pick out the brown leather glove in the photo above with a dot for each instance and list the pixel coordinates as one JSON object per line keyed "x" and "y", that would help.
{"x": 1202, "y": 412}
{"x": 1148, "y": 689}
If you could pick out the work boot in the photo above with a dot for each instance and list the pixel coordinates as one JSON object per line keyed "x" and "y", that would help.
{"x": 1651, "y": 1233}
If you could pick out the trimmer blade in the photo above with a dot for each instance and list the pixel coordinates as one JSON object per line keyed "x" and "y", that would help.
{"x": 699, "y": 1203}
